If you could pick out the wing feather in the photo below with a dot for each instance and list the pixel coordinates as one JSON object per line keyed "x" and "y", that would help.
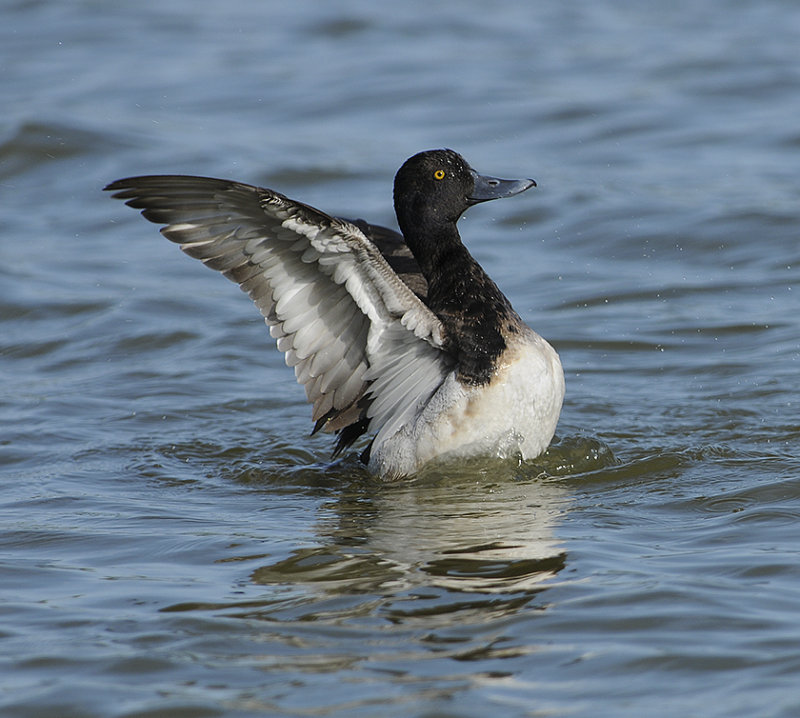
{"x": 344, "y": 319}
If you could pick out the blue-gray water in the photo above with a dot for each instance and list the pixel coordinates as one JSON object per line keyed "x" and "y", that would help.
{"x": 173, "y": 544}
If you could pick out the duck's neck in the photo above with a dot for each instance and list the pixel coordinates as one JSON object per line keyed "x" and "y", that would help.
{"x": 477, "y": 317}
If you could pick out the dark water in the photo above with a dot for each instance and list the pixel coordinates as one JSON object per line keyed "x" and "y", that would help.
{"x": 171, "y": 541}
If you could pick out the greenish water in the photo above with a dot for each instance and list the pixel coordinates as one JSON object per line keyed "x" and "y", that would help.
{"x": 173, "y": 543}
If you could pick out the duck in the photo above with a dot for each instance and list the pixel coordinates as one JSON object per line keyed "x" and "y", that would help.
{"x": 400, "y": 336}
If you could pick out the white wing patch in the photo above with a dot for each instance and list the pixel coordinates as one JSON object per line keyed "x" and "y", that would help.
{"x": 342, "y": 317}
{"x": 404, "y": 374}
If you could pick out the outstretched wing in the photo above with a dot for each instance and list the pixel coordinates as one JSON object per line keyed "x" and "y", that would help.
{"x": 361, "y": 342}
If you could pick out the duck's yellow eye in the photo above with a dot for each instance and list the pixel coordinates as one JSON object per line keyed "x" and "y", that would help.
{"x": 439, "y": 174}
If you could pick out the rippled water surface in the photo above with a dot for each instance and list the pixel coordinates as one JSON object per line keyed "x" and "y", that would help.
{"x": 172, "y": 543}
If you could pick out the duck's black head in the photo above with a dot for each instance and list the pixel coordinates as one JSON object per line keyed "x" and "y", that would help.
{"x": 436, "y": 186}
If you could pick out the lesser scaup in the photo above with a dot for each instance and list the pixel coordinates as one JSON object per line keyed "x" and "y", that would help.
{"x": 402, "y": 336}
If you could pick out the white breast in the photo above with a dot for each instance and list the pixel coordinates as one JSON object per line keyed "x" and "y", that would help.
{"x": 515, "y": 414}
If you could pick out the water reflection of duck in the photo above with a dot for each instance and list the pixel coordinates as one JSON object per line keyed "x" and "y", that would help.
{"x": 405, "y": 337}
{"x": 476, "y": 529}
{"x": 497, "y": 537}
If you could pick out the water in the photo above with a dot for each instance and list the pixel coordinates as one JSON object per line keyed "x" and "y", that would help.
{"x": 173, "y": 543}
